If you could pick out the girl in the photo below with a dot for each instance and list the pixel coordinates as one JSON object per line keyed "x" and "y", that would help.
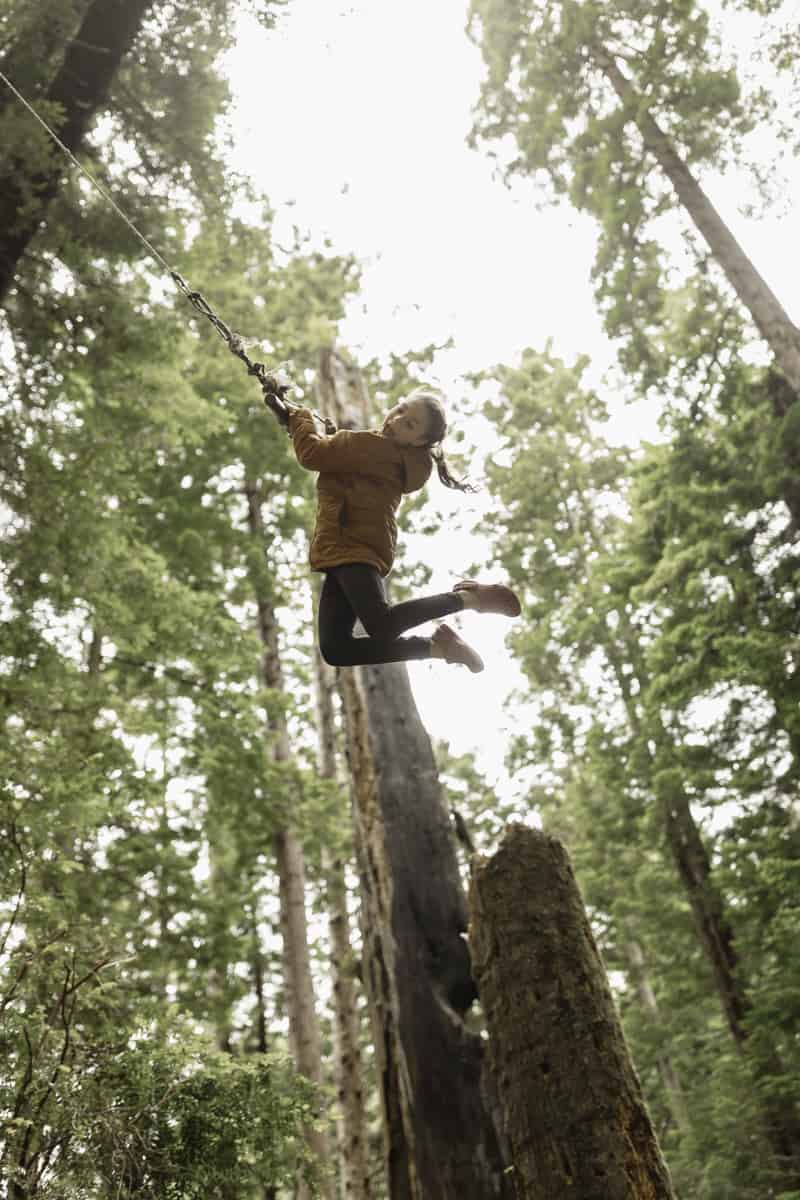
{"x": 362, "y": 477}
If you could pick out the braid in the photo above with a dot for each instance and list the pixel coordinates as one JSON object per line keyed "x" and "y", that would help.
{"x": 449, "y": 480}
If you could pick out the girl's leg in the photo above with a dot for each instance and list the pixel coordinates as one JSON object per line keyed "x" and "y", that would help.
{"x": 363, "y": 587}
{"x": 356, "y": 592}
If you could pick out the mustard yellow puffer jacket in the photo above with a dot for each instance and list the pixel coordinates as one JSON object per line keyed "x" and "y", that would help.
{"x": 362, "y": 477}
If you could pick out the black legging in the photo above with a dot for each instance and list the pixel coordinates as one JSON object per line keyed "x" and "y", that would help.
{"x": 355, "y": 592}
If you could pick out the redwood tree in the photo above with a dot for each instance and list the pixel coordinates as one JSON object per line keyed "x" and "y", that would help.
{"x": 595, "y": 95}
{"x": 73, "y": 99}
{"x": 572, "y": 1103}
{"x": 440, "y": 1136}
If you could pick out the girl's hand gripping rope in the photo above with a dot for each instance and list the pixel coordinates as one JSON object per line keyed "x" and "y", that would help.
{"x": 326, "y": 422}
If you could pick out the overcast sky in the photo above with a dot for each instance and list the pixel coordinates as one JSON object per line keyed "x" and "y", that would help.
{"x": 353, "y": 118}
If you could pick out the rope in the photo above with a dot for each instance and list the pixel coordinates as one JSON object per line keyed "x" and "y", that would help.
{"x": 274, "y": 392}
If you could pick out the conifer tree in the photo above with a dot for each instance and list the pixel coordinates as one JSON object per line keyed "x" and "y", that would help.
{"x": 572, "y": 1103}
{"x": 590, "y": 650}
{"x": 142, "y": 70}
{"x": 594, "y": 95}
{"x": 348, "y": 1073}
{"x": 133, "y": 737}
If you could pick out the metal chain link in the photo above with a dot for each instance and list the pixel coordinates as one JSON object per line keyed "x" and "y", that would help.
{"x": 273, "y": 391}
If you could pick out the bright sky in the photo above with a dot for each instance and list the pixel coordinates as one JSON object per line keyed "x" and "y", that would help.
{"x": 353, "y": 118}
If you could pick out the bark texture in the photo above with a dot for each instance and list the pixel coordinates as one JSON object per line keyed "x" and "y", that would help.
{"x": 76, "y": 94}
{"x": 771, "y": 319}
{"x": 378, "y": 950}
{"x": 441, "y": 1141}
{"x": 572, "y": 1103}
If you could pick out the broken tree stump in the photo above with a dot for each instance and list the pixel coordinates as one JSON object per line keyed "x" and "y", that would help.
{"x": 572, "y": 1105}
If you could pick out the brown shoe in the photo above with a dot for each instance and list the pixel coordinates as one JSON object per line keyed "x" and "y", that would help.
{"x": 452, "y": 649}
{"x": 490, "y": 597}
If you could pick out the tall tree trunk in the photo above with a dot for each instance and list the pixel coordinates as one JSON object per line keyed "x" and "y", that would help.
{"x": 771, "y": 319}
{"x": 683, "y": 837}
{"x": 31, "y": 58}
{"x": 378, "y": 951}
{"x": 79, "y": 89}
{"x": 573, "y": 1106}
{"x": 347, "y": 1050}
{"x": 780, "y": 1117}
{"x": 647, "y": 998}
{"x": 303, "y": 1024}
{"x": 441, "y": 1142}
{"x": 783, "y": 401}
{"x": 715, "y": 931}
{"x": 219, "y": 998}
{"x": 257, "y": 965}
{"x": 713, "y": 927}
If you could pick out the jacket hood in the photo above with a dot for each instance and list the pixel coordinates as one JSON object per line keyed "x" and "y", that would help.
{"x": 417, "y": 467}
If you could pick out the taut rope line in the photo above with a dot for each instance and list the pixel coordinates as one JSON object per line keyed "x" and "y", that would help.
{"x": 274, "y": 392}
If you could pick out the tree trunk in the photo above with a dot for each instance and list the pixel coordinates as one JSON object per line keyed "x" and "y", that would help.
{"x": 573, "y": 1106}
{"x": 780, "y": 1117}
{"x": 378, "y": 951}
{"x": 79, "y": 89}
{"x": 257, "y": 966}
{"x": 782, "y": 400}
{"x": 771, "y": 319}
{"x": 683, "y": 837}
{"x": 352, "y": 1124}
{"x": 714, "y": 929}
{"x": 30, "y": 59}
{"x": 441, "y": 1143}
{"x": 219, "y": 999}
{"x": 303, "y": 1024}
{"x": 669, "y": 1075}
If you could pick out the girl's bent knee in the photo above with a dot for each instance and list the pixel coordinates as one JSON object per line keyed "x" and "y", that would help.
{"x": 334, "y": 654}
{"x": 378, "y": 626}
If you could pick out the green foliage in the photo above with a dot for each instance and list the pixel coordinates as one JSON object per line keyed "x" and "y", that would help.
{"x": 659, "y": 622}
{"x": 165, "y": 1117}
{"x": 139, "y": 797}
{"x": 661, "y": 611}
{"x": 548, "y": 93}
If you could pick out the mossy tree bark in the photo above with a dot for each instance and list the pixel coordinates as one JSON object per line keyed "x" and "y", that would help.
{"x": 573, "y": 1107}
{"x": 76, "y": 95}
{"x": 441, "y": 1141}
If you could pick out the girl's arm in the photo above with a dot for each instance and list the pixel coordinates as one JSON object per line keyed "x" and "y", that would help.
{"x": 343, "y": 451}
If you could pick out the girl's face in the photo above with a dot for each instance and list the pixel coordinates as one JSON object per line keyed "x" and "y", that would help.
{"x": 407, "y": 423}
